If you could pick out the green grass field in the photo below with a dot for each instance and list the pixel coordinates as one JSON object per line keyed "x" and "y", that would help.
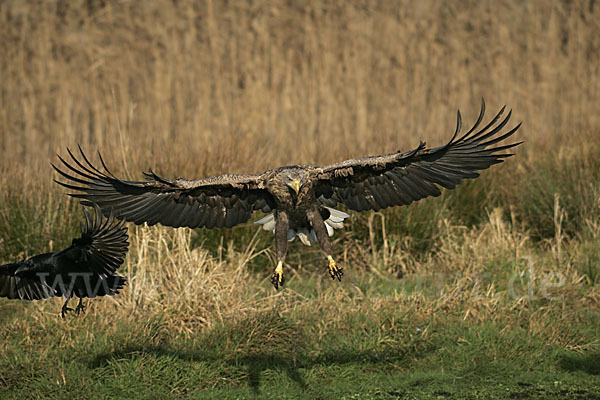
{"x": 387, "y": 343}
{"x": 491, "y": 291}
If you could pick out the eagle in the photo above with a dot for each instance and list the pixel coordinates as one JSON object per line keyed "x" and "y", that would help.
{"x": 84, "y": 269}
{"x": 301, "y": 199}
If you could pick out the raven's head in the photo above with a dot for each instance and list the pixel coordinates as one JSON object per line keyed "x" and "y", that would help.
{"x": 23, "y": 267}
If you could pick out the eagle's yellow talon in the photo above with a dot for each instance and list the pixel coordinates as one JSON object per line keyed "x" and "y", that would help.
{"x": 277, "y": 278}
{"x": 334, "y": 270}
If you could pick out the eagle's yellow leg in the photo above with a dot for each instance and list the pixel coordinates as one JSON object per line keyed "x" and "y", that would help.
{"x": 277, "y": 278}
{"x": 334, "y": 270}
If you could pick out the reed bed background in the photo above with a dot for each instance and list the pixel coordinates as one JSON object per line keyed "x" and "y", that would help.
{"x": 502, "y": 270}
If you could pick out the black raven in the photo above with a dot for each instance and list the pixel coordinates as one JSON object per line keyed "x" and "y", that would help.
{"x": 84, "y": 269}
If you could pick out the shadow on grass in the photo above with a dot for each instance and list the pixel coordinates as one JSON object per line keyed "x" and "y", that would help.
{"x": 588, "y": 363}
{"x": 255, "y": 363}
{"x": 267, "y": 341}
{"x": 258, "y": 362}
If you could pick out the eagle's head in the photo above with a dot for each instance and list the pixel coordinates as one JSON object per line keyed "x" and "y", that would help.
{"x": 295, "y": 178}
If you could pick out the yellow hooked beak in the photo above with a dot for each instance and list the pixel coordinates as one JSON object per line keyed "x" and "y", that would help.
{"x": 296, "y": 186}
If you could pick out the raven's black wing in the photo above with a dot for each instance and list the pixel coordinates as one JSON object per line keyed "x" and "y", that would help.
{"x": 24, "y": 288}
{"x": 101, "y": 249}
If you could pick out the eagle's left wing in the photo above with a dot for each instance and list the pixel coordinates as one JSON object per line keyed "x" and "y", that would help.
{"x": 220, "y": 201}
{"x": 373, "y": 183}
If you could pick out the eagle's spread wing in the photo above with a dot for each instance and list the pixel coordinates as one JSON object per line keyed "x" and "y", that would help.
{"x": 377, "y": 182}
{"x": 14, "y": 287}
{"x": 102, "y": 247}
{"x": 220, "y": 201}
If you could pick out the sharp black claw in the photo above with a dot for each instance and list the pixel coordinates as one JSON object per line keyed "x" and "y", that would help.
{"x": 334, "y": 270}
{"x": 336, "y": 274}
{"x": 64, "y": 311}
{"x": 275, "y": 281}
{"x": 80, "y": 309}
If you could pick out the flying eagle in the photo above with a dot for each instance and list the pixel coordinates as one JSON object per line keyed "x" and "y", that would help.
{"x": 300, "y": 198}
{"x": 84, "y": 269}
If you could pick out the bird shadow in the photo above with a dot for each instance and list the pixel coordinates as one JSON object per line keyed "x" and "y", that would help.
{"x": 257, "y": 362}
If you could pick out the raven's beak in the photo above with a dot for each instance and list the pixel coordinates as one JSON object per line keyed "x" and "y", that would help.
{"x": 21, "y": 269}
{"x": 296, "y": 186}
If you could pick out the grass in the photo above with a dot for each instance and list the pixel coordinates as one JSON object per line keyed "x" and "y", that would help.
{"x": 206, "y": 326}
{"x": 489, "y": 291}
{"x": 400, "y": 353}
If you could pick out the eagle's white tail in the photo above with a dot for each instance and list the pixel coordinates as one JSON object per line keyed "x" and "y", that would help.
{"x": 307, "y": 237}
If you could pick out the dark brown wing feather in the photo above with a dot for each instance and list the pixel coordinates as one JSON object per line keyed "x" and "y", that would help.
{"x": 221, "y": 201}
{"x": 373, "y": 183}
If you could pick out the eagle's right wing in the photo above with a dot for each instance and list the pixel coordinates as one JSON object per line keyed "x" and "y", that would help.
{"x": 220, "y": 201}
